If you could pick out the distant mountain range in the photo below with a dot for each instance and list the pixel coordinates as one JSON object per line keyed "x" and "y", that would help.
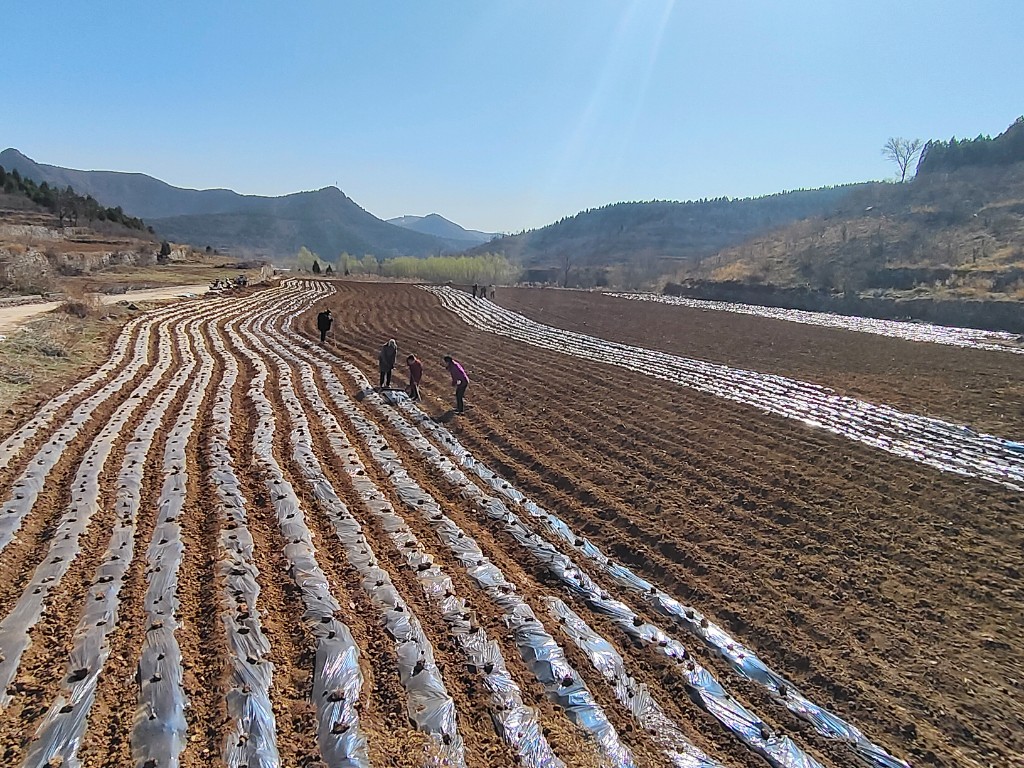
{"x": 439, "y": 226}
{"x": 326, "y": 221}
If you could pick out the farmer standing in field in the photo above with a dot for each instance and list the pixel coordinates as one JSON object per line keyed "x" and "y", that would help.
{"x": 415, "y": 376}
{"x": 386, "y": 360}
{"x": 459, "y": 379}
{"x": 324, "y": 321}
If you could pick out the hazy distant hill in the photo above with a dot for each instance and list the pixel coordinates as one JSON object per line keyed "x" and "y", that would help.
{"x": 439, "y": 226}
{"x": 656, "y": 231}
{"x": 326, "y": 221}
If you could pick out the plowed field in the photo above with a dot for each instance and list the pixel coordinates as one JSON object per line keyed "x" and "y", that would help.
{"x": 226, "y": 548}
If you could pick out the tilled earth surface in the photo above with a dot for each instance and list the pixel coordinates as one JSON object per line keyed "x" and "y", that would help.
{"x": 282, "y": 567}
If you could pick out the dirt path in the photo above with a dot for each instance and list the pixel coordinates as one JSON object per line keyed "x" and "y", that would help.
{"x": 12, "y": 318}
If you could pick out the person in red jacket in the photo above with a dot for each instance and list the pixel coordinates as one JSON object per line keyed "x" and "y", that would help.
{"x": 459, "y": 379}
{"x": 415, "y": 376}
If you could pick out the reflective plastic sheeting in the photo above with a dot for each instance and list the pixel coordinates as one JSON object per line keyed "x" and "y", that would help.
{"x": 741, "y": 659}
{"x": 159, "y": 729}
{"x": 779, "y": 750}
{"x": 972, "y": 338}
{"x": 516, "y": 723}
{"x": 633, "y": 695}
{"x": 61, "y": 731}
{"x": 340, "y": 739}
{"x": 939, "y": 444}
{"x": 536, "y": 646}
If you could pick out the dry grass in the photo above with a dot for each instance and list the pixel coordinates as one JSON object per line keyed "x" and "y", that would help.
{"x": 50, "y": 353}
{"x": 82, "y": 305}
{"x": 120, "y": 279}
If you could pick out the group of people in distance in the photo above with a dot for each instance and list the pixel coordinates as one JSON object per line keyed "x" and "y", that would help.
{"x": 388, "y": 357}
{"x": 482, "y": 291}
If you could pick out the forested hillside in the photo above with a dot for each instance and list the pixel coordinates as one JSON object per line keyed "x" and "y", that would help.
{"x": 326, "y": 220}
{"x": 955, "y": 230}
{"x": 945, "y": 156}
{"x": 652, "y": 233}
{"x": 67, "y": 205}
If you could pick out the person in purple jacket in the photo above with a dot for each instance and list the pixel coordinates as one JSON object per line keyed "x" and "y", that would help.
{"x": 459, "y": 379}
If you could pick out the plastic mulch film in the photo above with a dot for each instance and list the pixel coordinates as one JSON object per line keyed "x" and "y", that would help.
{"x": 430, "y": 706}
{"x": 633, "y": 695}
{"x": 337, "y": 678}
{"x": 536, "y": 646}
{"x": 64, "y": 544}
{"x": 742, "y": 659}
{"x": 251, "y": 738}
{"x": 516, "y": 723}
{"x": 140, "y": 350}
{"x": 935, "y": 443}
{"x": 778, "y": 749}
{"x": 159, "y": 728}
{"x": 973, "y": 338}
{"x": 61, "y": 731}
{"x": 27, "y": 487}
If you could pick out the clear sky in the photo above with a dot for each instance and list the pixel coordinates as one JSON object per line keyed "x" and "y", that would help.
{"x": 503, "y": 115}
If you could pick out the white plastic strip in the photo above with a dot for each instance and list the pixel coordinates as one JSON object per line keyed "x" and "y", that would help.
{"x": 60, "y": 734}
{"x": 972, "y": 338}
{"x": 633, "y": 695}
{"x": 517, "y": 724}
{"x": 64, "y": 545}
{"x": 250, "y": 740}
{"x": 159, "y": 729}
{"x": 939, "y": 444}
{"x": 45, "y": 415}
{"x": 337, "y": 678}
{"x": 740, "y": 658}
{"x": 537, "y": 647}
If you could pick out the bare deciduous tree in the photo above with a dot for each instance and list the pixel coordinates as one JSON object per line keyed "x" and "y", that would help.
{"x": 902, "y": 152}
{"x": 566, "y": 268}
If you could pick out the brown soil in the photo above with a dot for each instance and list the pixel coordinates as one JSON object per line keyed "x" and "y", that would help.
{"x": 886, "y": 591}
{"x": 982, "y": 389}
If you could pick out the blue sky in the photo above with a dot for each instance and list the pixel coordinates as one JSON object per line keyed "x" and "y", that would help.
{"x": 503, "y": 115}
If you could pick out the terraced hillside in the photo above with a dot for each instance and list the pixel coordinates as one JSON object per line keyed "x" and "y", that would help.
{"x": 225, "y": 548}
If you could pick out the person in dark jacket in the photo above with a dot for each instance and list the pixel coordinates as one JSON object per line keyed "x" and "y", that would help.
{"x": 415, "y": 376}
{"x": 386, "y": 360}
{"x": 459, "y": 379}
{"x": 324, "y": 321}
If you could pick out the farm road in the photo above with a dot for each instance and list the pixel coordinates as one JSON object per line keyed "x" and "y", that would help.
{"x": 224, "y": 549}
{"x": 12, "y": 318}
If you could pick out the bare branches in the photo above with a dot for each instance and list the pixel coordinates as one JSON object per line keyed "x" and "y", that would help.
{"x": 902, "y": 152}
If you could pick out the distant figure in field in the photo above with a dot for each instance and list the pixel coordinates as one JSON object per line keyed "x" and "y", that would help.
{"x": 324, "y": 321}
{"x": 386, "y": 361}
{"x": 492, "y": 293}
{"x": 474, "y": 290}
{"x": 415, "y": 376}
{"x": 459, "y": 379}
